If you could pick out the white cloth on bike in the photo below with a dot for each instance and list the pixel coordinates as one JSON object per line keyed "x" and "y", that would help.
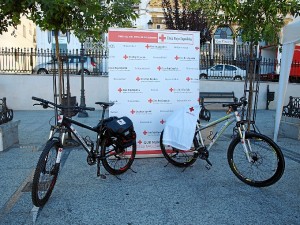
{"x": 180, "y": 127}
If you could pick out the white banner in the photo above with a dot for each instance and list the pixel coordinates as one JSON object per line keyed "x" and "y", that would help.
{"x": 151, "y": 74}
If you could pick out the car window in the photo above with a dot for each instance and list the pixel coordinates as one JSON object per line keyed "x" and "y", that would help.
{"x": 218, "y": 67}
{"x": 76, "y": 59}
{"x": 231, "y": 68}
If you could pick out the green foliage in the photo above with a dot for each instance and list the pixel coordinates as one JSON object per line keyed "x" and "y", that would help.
{"x": 10, "y": 13}
{"x": 86, "y": 18}
{"x": 258, "y": 20}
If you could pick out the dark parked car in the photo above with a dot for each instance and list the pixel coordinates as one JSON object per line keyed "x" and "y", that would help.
{"x": 90, "y": 66}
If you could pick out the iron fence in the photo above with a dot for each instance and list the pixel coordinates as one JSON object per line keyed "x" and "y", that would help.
{"x": 267, "y": 69}
{"x": 42, "y": 61}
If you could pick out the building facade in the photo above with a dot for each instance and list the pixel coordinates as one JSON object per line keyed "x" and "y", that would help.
{"x": 24, "y": 36}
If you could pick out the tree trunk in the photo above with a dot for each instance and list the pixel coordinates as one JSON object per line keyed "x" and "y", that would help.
{"x": 251, "y": 74}
{"x": 60, "y": 75}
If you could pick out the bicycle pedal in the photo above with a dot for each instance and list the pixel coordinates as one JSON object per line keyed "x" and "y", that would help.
{"x": 207, "y": 166}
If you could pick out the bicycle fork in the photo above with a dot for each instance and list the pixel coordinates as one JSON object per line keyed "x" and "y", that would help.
{"x": 60, "y": 148}
{"x": 245, "y": 142}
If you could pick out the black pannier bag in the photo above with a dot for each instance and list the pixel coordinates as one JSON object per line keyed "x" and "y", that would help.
{"x": 121, "y": 128}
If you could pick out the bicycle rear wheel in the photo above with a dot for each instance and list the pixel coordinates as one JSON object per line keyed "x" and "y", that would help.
{"x": 45, "y": 175}
{"x": 177, "y": 157}
{"x": 267, "y": 161}
{"x": 117, "y": 161}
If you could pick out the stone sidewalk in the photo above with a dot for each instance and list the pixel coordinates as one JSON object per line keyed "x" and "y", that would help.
{"x": 151, "y": 194}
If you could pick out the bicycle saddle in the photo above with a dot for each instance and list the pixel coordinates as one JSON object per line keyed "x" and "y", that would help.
{"x": 105, "y": 104}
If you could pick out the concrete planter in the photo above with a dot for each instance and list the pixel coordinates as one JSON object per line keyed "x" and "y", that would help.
{"x": 9, "y": 134}
{"x": 290, "y": 127}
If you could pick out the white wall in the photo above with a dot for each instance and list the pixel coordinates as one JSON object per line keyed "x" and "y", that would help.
{"x": 238, "y": 88}
{"x": 18, "y": 89}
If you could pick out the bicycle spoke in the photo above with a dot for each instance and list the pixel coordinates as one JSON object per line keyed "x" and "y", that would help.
{"x": 266, "y": 164}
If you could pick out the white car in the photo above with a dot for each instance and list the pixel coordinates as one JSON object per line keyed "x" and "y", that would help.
{"x": 223, "y": 71}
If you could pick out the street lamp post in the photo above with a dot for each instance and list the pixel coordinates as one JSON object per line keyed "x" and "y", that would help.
{"x": 82, "y": 97}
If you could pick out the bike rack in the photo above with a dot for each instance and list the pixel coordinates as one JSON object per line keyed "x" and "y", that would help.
{"x": 6, "y": 114}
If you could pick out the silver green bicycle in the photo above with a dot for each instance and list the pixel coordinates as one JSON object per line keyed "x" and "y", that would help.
{"x": 253, "y": 157}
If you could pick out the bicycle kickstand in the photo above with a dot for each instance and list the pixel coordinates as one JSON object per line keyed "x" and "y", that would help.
{"x": 98, "y": 170}
{"x": 208, "y": 165}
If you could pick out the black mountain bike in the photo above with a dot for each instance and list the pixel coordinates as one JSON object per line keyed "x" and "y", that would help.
{"x": 115, "y": 147}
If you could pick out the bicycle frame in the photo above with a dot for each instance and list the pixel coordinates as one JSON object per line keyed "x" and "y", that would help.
{"x": 64, "y": 124}
{"x": 231, "y": 117}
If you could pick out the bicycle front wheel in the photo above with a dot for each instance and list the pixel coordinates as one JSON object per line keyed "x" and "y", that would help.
{"x": 45, "y": 175}
{"x": 177, "y": 157}
{"x": 117, "y": 160}
{"x": 266, "y": 164}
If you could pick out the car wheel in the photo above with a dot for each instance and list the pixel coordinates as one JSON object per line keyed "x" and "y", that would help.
{"x": 203, "y": 76}
{"x": 237, "y": 78}
{"x": 42, "y": 71}
{"x": 85, "y": 72}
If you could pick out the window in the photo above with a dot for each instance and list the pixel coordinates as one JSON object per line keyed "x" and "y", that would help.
{"x": 158, "y": 26}
{"x": 231, "y": 68}
{"x": 218, "y": 68}
{"x": 223, "y": 35}
{"x": 24, "y": 31}
{"x": 30, "y": 31}
{"x": 223, "y": 32}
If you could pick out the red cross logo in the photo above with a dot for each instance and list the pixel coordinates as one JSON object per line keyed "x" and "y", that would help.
{"x": 162, "y": 121}
{"x": 125, "y": 57}
{"x": 120, "y": 90}
{"x": 140, "y": 142}
{"x": 177, "y": 57}
{"x": 171, "y": 89}
{"x": 132, "y": 111}
{"x": 150, "y": 100}
{"x": 191, "y": 109}
{"x": 145, "y": 132}
{"x": 188, "y": 79}
{"x": 138, "y": 78}
{"x": 147, "y": 46}
{"x": 162, "y": 38}
{"x": 159, "y": 68}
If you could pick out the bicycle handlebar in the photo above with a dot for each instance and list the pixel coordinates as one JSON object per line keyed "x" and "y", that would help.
{"x": 46, "y": 103}
{"x": 242, "y": 101}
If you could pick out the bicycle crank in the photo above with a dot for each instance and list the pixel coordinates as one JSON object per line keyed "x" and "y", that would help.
{"x": 91, "y": 160}
{"x": 204, "y": 154}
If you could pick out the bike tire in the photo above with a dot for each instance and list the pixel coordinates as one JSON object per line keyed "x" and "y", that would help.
{"x": 267, "y": 164}
{"x": 45, "y": 174}
{"x": 117, "y": 161}
{"x": 177, "y": 157}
